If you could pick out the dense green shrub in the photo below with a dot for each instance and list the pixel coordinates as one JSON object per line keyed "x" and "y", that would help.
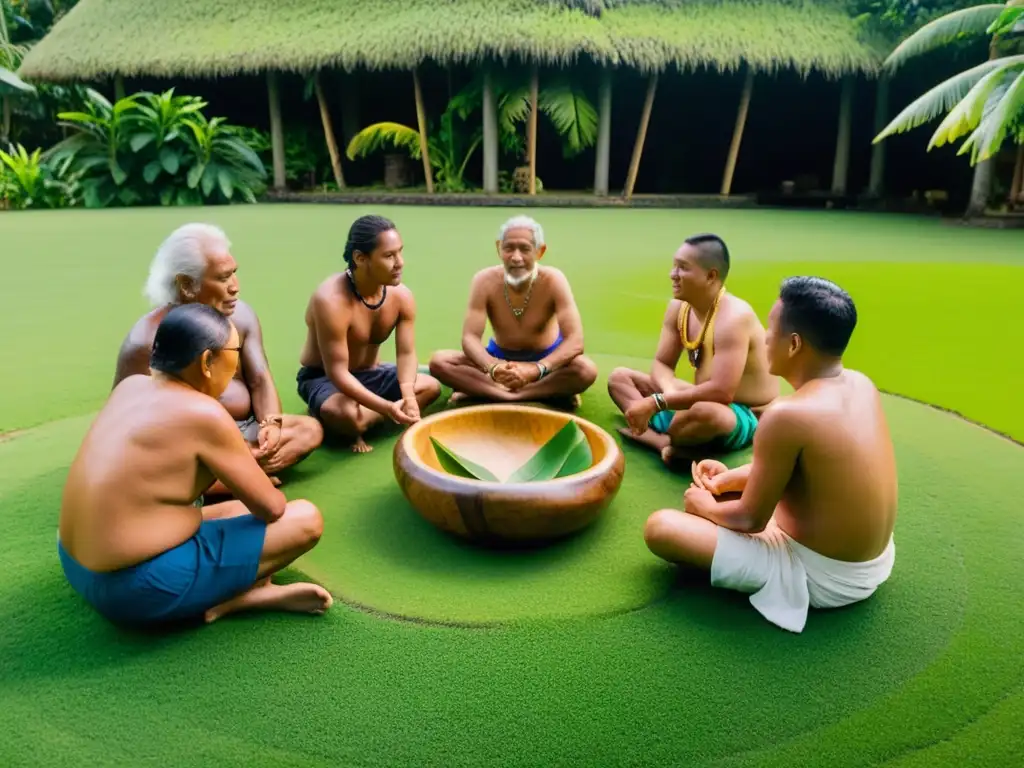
{"x": 28, "y": 180}
{"x": 149, "y": 149}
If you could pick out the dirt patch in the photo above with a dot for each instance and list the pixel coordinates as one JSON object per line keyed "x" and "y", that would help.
{"x": 8, "y": 436}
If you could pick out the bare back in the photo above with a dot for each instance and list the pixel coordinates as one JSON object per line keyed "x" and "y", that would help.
{"x": 130, "y": 490}
{"x": 538, "y": 326}
{"x": 841, "y": 500}
{"x": 334, "y": 310}
{"x": 133, "y": 357}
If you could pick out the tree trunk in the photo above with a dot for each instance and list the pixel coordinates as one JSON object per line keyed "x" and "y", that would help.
{"x": 842, "y": 160}
{"x": 641, "y": 135}
{"x": 421, "y": 120}
{"x": 325, "y": 119}
{"x": 604, "y": 134}
{"x": 981, "y": 185}
{"x": 737, "y": 134}
{"x": 276, "y": 130}
{"x": 119, "y": 92}
{"x": 490, "y": 136}
{"x": 1017, "y": 185}
{"x": 5, "y": 121}
{"x": 876, "y": 184}
{"x": 531, "y": 136}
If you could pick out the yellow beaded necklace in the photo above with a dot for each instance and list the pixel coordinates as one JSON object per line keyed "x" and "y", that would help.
{"x": 694, "y": 348}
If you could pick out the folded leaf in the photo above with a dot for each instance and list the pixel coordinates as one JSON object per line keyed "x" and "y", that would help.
{"x": 457, "y": 465}
{"x": 559, "y": 456}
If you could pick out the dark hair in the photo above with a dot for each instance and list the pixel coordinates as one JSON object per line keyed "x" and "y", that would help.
{"x": 820, "y": 311}
{"x": 184, "y": 334}
{"x": 712, "y": 252}
{"x": 363, "y": 234}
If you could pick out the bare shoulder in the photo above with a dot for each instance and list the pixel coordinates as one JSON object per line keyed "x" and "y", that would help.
{"x": 672, "y": 310}
{"x": 487, "y": 278}
{"x": 786, "y": 418}
{"x": 735, "y": 310}
{"x": 327, "y": 293}
{"x": 244, "y": 317}
{"x": 204, "y": 415}
{"x": 555, "y": 279}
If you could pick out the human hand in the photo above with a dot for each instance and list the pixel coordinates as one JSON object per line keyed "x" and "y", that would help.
{"x": 269, "y": 439}
{"x": 708, "y": 474}
{"x": 411, "y": 407}
{"x": 521, "y": 374}
{"x": 502, "y": 375}
{"x": 698, "y": 501}
{"x": 639, "y": 414}
{"x": 400, "y": 415}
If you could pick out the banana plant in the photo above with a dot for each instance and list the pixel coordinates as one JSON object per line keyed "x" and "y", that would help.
{"x": 984, "y": 103}
{"x": 449, "y": 147}
{"x": 30, "y": 181}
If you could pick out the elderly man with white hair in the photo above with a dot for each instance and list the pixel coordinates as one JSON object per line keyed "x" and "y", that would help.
{"x": 537, "y": 350}
{"x": 194, "y": 265}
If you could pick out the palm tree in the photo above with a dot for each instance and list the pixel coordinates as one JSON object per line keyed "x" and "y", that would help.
{"x": 984, "y": 103}
{"x": 10, "y": 84}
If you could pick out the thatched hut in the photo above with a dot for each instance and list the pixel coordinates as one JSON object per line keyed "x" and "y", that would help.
{"x": 113, "y": 39}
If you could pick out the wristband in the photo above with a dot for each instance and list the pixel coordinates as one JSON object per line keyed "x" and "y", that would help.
{"x": 543, "y": 370}
{"x": 659, "y": 400}
{"x": 490, "y": 371}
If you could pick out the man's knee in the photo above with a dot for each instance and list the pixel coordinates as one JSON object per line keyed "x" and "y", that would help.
{"x": 660, "y": 529}
{"x": 307, "y": 520}
{"x": 619, "y": 376}
{"x": 428, "y": 388}
{"x": 714, "y": 418}
{"x": 585, "y": 370}
{"x": 310, "y": 433}
{"x": 341, "y": 414}
{"x": 442, "y": 362}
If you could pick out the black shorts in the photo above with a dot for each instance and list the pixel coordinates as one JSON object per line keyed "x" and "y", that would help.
{"x": 315, "y": 386}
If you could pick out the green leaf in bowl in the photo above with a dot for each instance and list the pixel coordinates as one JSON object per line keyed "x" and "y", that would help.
{"x": 457, "y": 465}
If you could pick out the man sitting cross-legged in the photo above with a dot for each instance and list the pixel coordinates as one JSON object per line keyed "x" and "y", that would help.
{"x": 194, "y": 264}
{"x": 814, "y": 522}
{"x": 134, "y": 538}
{"x": 348, "y": 317}
{"x": 724, "y": 341}
{"x": 537, "y": 349}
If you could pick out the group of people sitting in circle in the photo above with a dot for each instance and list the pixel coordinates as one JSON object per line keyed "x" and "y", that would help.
{"x": 194, "y": 416}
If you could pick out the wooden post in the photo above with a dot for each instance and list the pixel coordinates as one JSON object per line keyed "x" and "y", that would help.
{"x": 737, "y": 133}
{"x": 531, "y": 131}
{"x": 842, "y": 160}
{"x": 421, "y": 120}
{"x": 641, "y": 134}
{"x": 604, "y": 133}
{"x": 276, "y": 130}
{"x": 876, "y": 183}
{"x": 118, "y": 87}
{"x": 1017, "y": 185}
{"x": 490, "y": 136}
{"x": 332, "y": 145}
{"x": 349, "y": 108}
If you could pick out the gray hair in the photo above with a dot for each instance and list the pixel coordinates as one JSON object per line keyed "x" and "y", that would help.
{"x": 523, "y": 222}
{"x": 182, "y": 253}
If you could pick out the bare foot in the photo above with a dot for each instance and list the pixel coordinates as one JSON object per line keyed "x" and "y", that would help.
{"x": 649, "y": 439}
{"x": 458, "y": 397}
{"x": 296, "y": 598}
{"x": 361, "y": 446}
{"x": 275, "y": 481}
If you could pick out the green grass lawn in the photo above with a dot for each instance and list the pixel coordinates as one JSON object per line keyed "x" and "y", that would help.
{"x": 590, "y": 652}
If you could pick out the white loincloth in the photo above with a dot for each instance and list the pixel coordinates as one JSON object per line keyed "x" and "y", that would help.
{"x": 786, "y": 578}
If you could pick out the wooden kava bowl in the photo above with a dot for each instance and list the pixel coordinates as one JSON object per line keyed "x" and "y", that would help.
{"x": 502, "y": 438}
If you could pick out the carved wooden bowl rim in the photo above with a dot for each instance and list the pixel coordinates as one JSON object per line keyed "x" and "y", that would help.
{"x": 613, "y": 454}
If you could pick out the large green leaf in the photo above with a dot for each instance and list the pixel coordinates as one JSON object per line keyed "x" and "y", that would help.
{"x": 379, "y": 135}
{"x": 963, "y": 23}
{"x": 548, "y": 462}
{"x": 457, "y": 465}
{"x": 13, "y": 82}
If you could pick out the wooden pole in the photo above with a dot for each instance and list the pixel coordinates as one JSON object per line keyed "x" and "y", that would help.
{"x": 604, "y": 134}
{"x": 276, "y": 130}
{"x": 842, "y": 160}
{"x": 737, "y": 133}
{"x": 421, "y": 119}
{"x": 332, "y": 145}
{"x": 490, "y": 136}
{"x": 641, "y": 134}
{"x": 118, "y": 87}
{"x": 1017, "y": 185}
{"x": 531, "y": 134}
{"x": 876, "y": 182}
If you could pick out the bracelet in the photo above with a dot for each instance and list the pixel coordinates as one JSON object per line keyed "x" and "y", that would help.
{"x": 279, "y": 420}
{"x": 543, "y": 370}
{"x": 659, "y": 400}
{"x": 490, "y": 371}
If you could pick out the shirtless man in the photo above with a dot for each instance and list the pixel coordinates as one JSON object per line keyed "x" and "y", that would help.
{"x": 348, "y": 317}
{"x": 724, "y": 342}
{"x": 537, "y": 349}
{"x": 194, "y": 264}
{"x": 134, "y": 539}
{"x": 814, "y": 522}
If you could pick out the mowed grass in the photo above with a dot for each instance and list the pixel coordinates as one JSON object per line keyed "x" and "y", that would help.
{"x": 591, "y": 652}
{"x": 940, "y": 312}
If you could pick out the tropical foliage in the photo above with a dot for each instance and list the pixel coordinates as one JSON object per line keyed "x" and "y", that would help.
{"x": 984, "y": 103}
{"x": 27, "y": 180}
{"x": 157, "y": 148}
{"x": 167, "y": 38}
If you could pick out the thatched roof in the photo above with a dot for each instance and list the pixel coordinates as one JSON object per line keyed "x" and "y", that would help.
{"x": 203, "y": 38}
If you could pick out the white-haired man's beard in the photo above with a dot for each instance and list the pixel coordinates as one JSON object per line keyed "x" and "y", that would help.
{"x": 514, "y": 281}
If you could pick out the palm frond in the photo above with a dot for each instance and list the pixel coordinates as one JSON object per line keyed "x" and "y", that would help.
{"x": 1009, "y": 20}
{"x": 938, "y": 100}
{"x": 572, "y": 113}
{"x": 10, "y": 80}
{"x": 513, "y": 107}
{"x": 972, "y": 21}
{"x": 1005, "y": 108}
{"x": 966, "y": 115}
{"x": 378, "y": 135}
